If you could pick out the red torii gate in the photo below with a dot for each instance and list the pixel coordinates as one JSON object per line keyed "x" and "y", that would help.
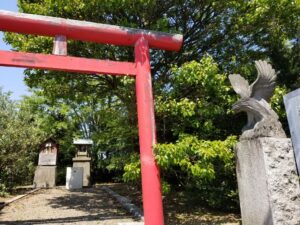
{"x": 142, "y": 40}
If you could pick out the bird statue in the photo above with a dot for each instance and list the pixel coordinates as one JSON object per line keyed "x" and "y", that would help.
{"x": 262, "y": 120}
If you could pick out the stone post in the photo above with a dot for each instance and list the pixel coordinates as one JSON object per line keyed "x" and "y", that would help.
{"x": 268, "y": 184}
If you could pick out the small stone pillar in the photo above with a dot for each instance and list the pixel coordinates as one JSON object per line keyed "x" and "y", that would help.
{"x": 82, "y": 158}
{"x": 45, "y": 173}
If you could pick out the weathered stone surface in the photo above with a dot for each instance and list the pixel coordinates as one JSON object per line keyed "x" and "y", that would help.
{"x": 262, "y": 119}
{"x": 45, "y": 176}
{"x": 48, "y": 153}
{"x": 292, "y": 107}
{"x": 267, "y": 127}
{"x": 74, "y": 178}
{"x": 268, "y": 183}
{"x": 47, "y": 159}
{"x": 85, "y": 163}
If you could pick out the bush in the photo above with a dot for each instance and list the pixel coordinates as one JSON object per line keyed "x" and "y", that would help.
{"x": 3, "y": 190}
{"x": 202, "y": 167}
{"x": 205, "y": 169}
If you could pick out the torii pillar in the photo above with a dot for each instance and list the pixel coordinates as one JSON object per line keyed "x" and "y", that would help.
{"x": 141, "y": 40}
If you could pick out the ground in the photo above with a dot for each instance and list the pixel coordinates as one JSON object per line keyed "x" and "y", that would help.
{"x": 94, "y": 206}
{"x": 59, "y": 206}
{"x": 178, "y": 210}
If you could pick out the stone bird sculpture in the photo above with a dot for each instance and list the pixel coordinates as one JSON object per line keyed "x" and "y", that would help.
{"x": 262, "y": 120}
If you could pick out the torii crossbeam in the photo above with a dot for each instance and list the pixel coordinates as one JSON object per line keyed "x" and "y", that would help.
{"x": 141, "y": 40}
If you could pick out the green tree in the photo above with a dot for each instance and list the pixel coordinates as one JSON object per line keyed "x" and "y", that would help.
{"x": 198, "y": 99}
{"x": 19, "y": 142}
{"x": 193, "y": 98}
{"x": 200, "y": 156}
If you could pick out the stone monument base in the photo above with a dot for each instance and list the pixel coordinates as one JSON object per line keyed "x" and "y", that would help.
{"x": 85, "y": 163}
{"x": 268, "y": 184}
{"x": 45, "y": 176}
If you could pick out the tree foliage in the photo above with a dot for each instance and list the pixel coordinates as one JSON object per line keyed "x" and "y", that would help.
{"x": 19, "y": 142}
{"x": 205, "y": 167}
{"x": 198, "y": 99}
{"x": 196, "y": 128}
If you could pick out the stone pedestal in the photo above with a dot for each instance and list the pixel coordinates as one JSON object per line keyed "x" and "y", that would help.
{"x": 85, "y": 163}
{"x": 268, "y": 184}
{"x": 45, "y": 176}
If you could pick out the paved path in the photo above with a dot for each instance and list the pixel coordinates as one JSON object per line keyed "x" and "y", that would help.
{"x": 60, "y": 206}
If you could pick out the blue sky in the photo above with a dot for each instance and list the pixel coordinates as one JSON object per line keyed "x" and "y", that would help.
{"x": 11, "y": 79}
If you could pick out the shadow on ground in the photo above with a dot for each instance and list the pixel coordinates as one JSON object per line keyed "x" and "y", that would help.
{"x": 90, "y": 200}
{"x": 97, "y": 217}
{"x": 61, "y": 206}
{"x": 178, "y": 209}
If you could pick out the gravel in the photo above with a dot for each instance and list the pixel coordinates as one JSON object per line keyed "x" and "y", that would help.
{"x": 60, "y": 206}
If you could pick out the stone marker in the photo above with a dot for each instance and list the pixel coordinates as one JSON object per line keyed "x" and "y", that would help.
{"x": 268, "y": 184}
{"x": 45, "y": 173}
{"x": 292, "y": 107}
{"x": 74, "y": 177}
{"x": 82, "y": 158}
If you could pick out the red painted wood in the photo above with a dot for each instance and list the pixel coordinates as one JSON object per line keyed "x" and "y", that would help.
{"x": 151, "y": 188}
{"x": 66, "y": 63}
{"x": 142, "y": 40}
{"x": 85, "y": 31}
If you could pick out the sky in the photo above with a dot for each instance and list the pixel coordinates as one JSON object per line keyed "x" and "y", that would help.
{"x": 11, "y": 79}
